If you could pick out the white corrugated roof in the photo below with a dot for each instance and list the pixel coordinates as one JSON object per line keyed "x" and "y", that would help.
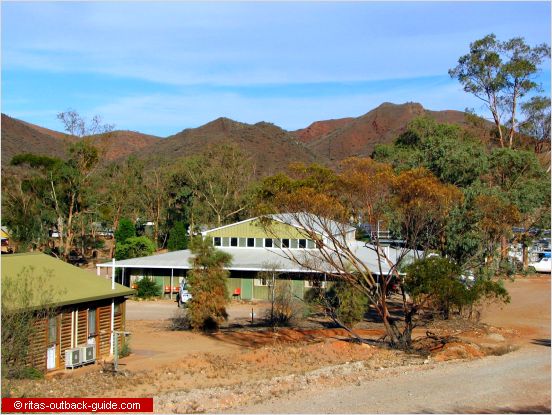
{"x": 263, "y": 259}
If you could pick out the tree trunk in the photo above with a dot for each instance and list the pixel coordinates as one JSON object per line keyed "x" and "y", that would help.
{"x": 496, "y": 118}
{"x": 503, "y": 247}
{"x": 513, "y": 119}
{"x": 524, "y": 256}
{"x": 69, "y": 230}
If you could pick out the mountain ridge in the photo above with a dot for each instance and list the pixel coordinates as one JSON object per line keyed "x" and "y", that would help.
{"x": 271, "y": 147}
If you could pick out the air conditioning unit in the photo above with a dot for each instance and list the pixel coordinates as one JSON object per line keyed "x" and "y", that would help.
{"x": 88, "y": 353}
{"x": 73, "y": 357}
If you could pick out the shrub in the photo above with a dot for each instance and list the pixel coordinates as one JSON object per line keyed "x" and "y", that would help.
{"x": 134, "y": 247}
{"x": 285, "y": 310}
{"x": 435, "y": 282}
{"x": 207, "y": 285}
{"x": 147, "y": 288}
{"x": 350, "y": 303}
{"x": 180, "y": 321}
{"x": 125, "y": 348}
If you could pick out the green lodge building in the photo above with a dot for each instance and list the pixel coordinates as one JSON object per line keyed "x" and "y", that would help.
{"x": 291, "y": 247}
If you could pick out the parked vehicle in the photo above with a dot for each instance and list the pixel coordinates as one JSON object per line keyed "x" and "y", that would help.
{"x": 183, "y": 295}
{"x": 544, "y": 264}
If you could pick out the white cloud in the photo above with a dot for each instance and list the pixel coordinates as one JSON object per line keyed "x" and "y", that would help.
{"x": 241, "y": 44}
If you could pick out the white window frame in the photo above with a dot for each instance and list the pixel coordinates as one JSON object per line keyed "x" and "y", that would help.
{"x": 309, "y": 284}
{"x": 258, "y": 282}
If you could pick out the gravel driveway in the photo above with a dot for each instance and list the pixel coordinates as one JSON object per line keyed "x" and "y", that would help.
{"x": 165, "y": 309}
{"x": 515, "y": 382}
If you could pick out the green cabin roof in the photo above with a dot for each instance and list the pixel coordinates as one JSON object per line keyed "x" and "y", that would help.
{"x": 71, "y": 284}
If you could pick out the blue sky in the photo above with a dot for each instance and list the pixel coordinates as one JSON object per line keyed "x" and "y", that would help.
{"x": 161, "y": 67}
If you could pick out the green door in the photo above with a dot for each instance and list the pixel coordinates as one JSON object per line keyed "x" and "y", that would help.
{"x": 246, "y": 288}
{"x": 297, "y": 288}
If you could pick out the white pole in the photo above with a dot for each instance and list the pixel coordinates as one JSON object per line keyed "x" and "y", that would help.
{"x": 73, "y": 328}
{"x": 113, "y": 274}
{"x": 98, "y": 271}
{"x": 172, "y": 275}
{"x": 112, "y": 308}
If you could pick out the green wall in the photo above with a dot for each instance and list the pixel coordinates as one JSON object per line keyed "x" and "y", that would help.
{"x": 254, "y": 229}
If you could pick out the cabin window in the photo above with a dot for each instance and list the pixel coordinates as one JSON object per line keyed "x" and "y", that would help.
{"x": 293, "y": 243}
{"x": 268, "y": 242}
{"x": 261, "y": 282}
{"x": 302, "y": 243}
{"x": 259, "y": 242}
{"x": 225, "y": 241}
{"x": 92, "y": 322}
{"x": 233, "y": 241}
{"x": 217, "y": 241}
{"x": 315, "y": 284}
{"x": 52, "y": 330}
{"x": 250, "y": 242}
{"x": 285, "y": 243}
{"x": 243, "y": 242}
{"x": 277, "y": 243}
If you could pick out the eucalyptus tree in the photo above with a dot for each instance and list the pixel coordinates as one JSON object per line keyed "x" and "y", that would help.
{"x": 219, "y": 180}
{"x": 501, "y": 74}
{"x": 64, "y": 190}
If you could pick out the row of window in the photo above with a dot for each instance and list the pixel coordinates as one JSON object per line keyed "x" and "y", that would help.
{"x": 264, "y": 242}
{"x": 53, "y": 324}
{"x": 267, "y": 282}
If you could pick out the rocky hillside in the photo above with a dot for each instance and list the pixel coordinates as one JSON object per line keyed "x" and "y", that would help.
{"x": 338, "y": 139}
{"x": 20, "y": 137}
{"x": 23, "y": 137}
{"x": 122, "y": 143}
{"x": 270, "y": 147}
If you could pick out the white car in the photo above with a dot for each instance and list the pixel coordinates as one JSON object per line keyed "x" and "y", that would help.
{"x": 543, "y": 265}
{"x": 183, "y": 295}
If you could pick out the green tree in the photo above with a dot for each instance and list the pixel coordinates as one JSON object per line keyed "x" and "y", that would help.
{"x": 537, "y": 120}
{"x": 446, "y": 150}
{"x": 65, "y": 191}
{"x": 25, "y": 207}
{"x": 154, "y": 195}
{"x": 501, "y": 74}
{"x": 219, "y": 179}
{"x": 147, "y": 288}
{"x": 436, "y": 283}
{"x": 125, "y": 230}
{"x": 120, "y": 191}
{"x": 134, "y": 247}
{"x": 178, "y": 238}
{"x": 207, "y": 285}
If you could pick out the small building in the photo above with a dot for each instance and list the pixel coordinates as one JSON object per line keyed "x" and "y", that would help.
{"x": 86, "y": 309}
{"x": 284, "y": 248}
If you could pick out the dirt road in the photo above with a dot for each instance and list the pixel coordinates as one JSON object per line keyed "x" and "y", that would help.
{"x": 514, "y": 382}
